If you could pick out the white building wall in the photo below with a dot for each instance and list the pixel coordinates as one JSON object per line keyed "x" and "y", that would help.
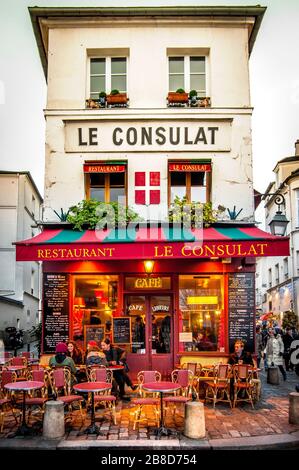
{"x": 148, "y": 46}
{"x": 20, "y": 206}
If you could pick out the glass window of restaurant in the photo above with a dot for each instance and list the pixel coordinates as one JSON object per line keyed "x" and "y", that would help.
{"x": 201, "y": 313}
{"x": 94, "y": 303}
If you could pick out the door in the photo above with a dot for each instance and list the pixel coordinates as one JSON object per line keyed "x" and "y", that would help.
{"x": 151, "y": 332}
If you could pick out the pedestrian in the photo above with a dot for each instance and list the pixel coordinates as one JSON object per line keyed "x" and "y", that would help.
{"x": 258, "y": 345}
{"x": 275, "y": 350}
{"x": 287, "y": 339}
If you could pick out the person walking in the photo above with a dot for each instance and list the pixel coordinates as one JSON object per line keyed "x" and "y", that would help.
{"x": 287, "y": 339}
{"x": 258, "y": 345}
{"x": 275, "y": 350}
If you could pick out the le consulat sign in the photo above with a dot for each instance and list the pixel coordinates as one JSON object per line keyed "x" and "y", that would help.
{"x": 149, "y": 136}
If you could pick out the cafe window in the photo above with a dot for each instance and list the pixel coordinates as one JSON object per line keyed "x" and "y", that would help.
{"x": 105, "y": 183}
{"x": 201, "y": 313}
{"x": 95, "y": 300}
{"x": 186, "y": 181}
{"x": 106, "y": 74}
{"x": 188, "y": 73}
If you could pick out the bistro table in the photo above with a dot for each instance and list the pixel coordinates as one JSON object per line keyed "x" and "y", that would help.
{"x": 92, "y": 387}
{"x": 162, "y": 387}
{"x": 24, "y": 386}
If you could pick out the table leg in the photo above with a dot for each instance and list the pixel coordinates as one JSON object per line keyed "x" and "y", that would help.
{"x": 93, "y": 428}
{"x": 23, "y": 429}
{"x": 162, "y": 430}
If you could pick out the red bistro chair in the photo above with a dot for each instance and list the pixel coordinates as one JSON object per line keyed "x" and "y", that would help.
{"x": 146, "y": 376}
{"x": 6, "y": 377}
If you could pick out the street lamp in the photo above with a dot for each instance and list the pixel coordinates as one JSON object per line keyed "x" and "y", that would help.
{"x": 148, "y": 266}
{"x": 278, "y": 224}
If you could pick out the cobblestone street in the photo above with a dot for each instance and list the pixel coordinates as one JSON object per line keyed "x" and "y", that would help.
{"x": 270, "y": 416}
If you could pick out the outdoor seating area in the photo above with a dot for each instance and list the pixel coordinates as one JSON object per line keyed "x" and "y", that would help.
{"x": 156, "y": 401}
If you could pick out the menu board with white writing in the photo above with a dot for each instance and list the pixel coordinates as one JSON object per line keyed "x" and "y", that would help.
{"x": 121, "y": 327}
{"x": 56, "y": 311}
{"x": 241, "y": 306}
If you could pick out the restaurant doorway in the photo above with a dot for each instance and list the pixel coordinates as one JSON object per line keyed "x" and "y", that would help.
{"x": 151, "y": 332}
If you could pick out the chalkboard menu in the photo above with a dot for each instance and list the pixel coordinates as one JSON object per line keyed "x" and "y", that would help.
{"x": 121, "y": 330}
{"x": 241, "y": 306}
{"x": 56, "y": 310}
{"x": 94, "y": 333}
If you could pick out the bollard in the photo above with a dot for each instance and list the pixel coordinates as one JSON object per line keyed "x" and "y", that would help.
{"x": 273, "y": 376}
{"x": 194, "y": 420}
{"x": 294, "y": 408}
{"x": 53, "y": 426}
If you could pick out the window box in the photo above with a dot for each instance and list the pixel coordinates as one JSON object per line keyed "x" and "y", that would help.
{"x": 175, "y": 97}
{"x": 117, "y": 99}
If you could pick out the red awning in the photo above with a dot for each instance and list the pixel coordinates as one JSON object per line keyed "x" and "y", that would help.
{"x": 152, "y": 243}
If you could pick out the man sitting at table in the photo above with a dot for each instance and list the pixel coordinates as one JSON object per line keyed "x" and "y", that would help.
{"x": 239, "y": 356}
{"x": 117, "y": 356}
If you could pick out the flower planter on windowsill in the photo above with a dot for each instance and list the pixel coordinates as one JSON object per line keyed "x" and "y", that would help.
{"x": 204, "y": 102}
{"x": 92, "y": 103}
{"x": 177, "y": 98}
{"x": 117, "y": 99}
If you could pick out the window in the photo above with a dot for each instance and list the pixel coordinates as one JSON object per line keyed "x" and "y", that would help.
{"x": 270, "y": 277}
{"x": 277, "y": 274}
{"x": 188, "y": 73}
{"x": 286, "y": 268}
{"x": 32, "y": 281}
{"x": 94, "y": 302}
{"x": 105, "y": 183}
{"x": 195, "y": 185}
{"x": 106, "y": 74}
{"x": 297, "y": 207}
{"x": 201, "y": 313}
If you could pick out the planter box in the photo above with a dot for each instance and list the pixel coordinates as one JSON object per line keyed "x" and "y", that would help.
{"x": 174, "y": 97}
{"x": 120, "y": 98}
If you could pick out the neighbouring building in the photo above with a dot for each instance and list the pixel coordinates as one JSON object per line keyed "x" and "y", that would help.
{"x": 145, "y": 144}
{"x": 20, "y": 210}
{"x": 278, "y": 277}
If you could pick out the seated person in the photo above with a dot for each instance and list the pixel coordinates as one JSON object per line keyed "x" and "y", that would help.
{"x": 61, "y": 359}
{"x": 239, "y": 356}
{"x": 74, "y": 352}
{"x": 202, "y": 343}
{"x": 114, "y": 356}
{"x": 95, "y": 356}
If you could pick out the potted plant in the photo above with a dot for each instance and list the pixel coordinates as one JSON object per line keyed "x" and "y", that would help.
{"x": 102, "y": 99}
{"x": 178, "y": 96}
{"x": 193, "y": 97}
{"x": 115, "y": 97}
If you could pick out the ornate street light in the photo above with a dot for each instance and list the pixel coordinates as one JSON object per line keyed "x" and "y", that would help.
{"x": 278, "y": 224}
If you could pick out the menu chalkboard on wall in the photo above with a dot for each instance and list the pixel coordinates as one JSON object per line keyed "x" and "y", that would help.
{"x": 121, "y": 330}
{"x": 56, "y": 310}
{"x": 94, "y": 333}
{"x": 241, "y": 306}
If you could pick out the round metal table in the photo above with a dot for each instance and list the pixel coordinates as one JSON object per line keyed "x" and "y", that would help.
{"x": 92, "y": 387}
{"x": 162, "y": 387}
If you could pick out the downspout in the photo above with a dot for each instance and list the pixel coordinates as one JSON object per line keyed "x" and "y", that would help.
{"x": 294, "y": 304}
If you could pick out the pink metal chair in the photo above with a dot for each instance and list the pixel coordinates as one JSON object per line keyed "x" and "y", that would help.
{"x": 101, "y": 374}
{"x": 184, "y": 378}
{"x": 6, "y": 377}
{"x": 60, "y": 382}
{"x": 218, "y": 387}
{"x": 146, "y": 376}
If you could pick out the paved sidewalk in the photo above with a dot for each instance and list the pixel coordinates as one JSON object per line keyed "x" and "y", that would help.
{"x": 266, "y": 426}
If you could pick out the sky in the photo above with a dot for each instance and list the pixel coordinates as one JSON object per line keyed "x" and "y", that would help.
{"x": 274, "y": 75}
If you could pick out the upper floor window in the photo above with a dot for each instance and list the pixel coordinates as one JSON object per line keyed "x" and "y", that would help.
{"x": 190, "y": 180}
{"x": 105, "y": 182}
{"x": 297, "y": 207}
{"x": 188, "y": 73}
{"x": 106, "y": 74}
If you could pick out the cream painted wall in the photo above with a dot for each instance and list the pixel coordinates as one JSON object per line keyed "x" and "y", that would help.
{"x": 148, "y": 64}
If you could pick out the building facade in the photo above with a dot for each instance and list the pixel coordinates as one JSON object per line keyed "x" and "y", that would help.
{"x": 145, "y": 146}
{"x": 278, "y": 278}
{"x": 20, "y": 209}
